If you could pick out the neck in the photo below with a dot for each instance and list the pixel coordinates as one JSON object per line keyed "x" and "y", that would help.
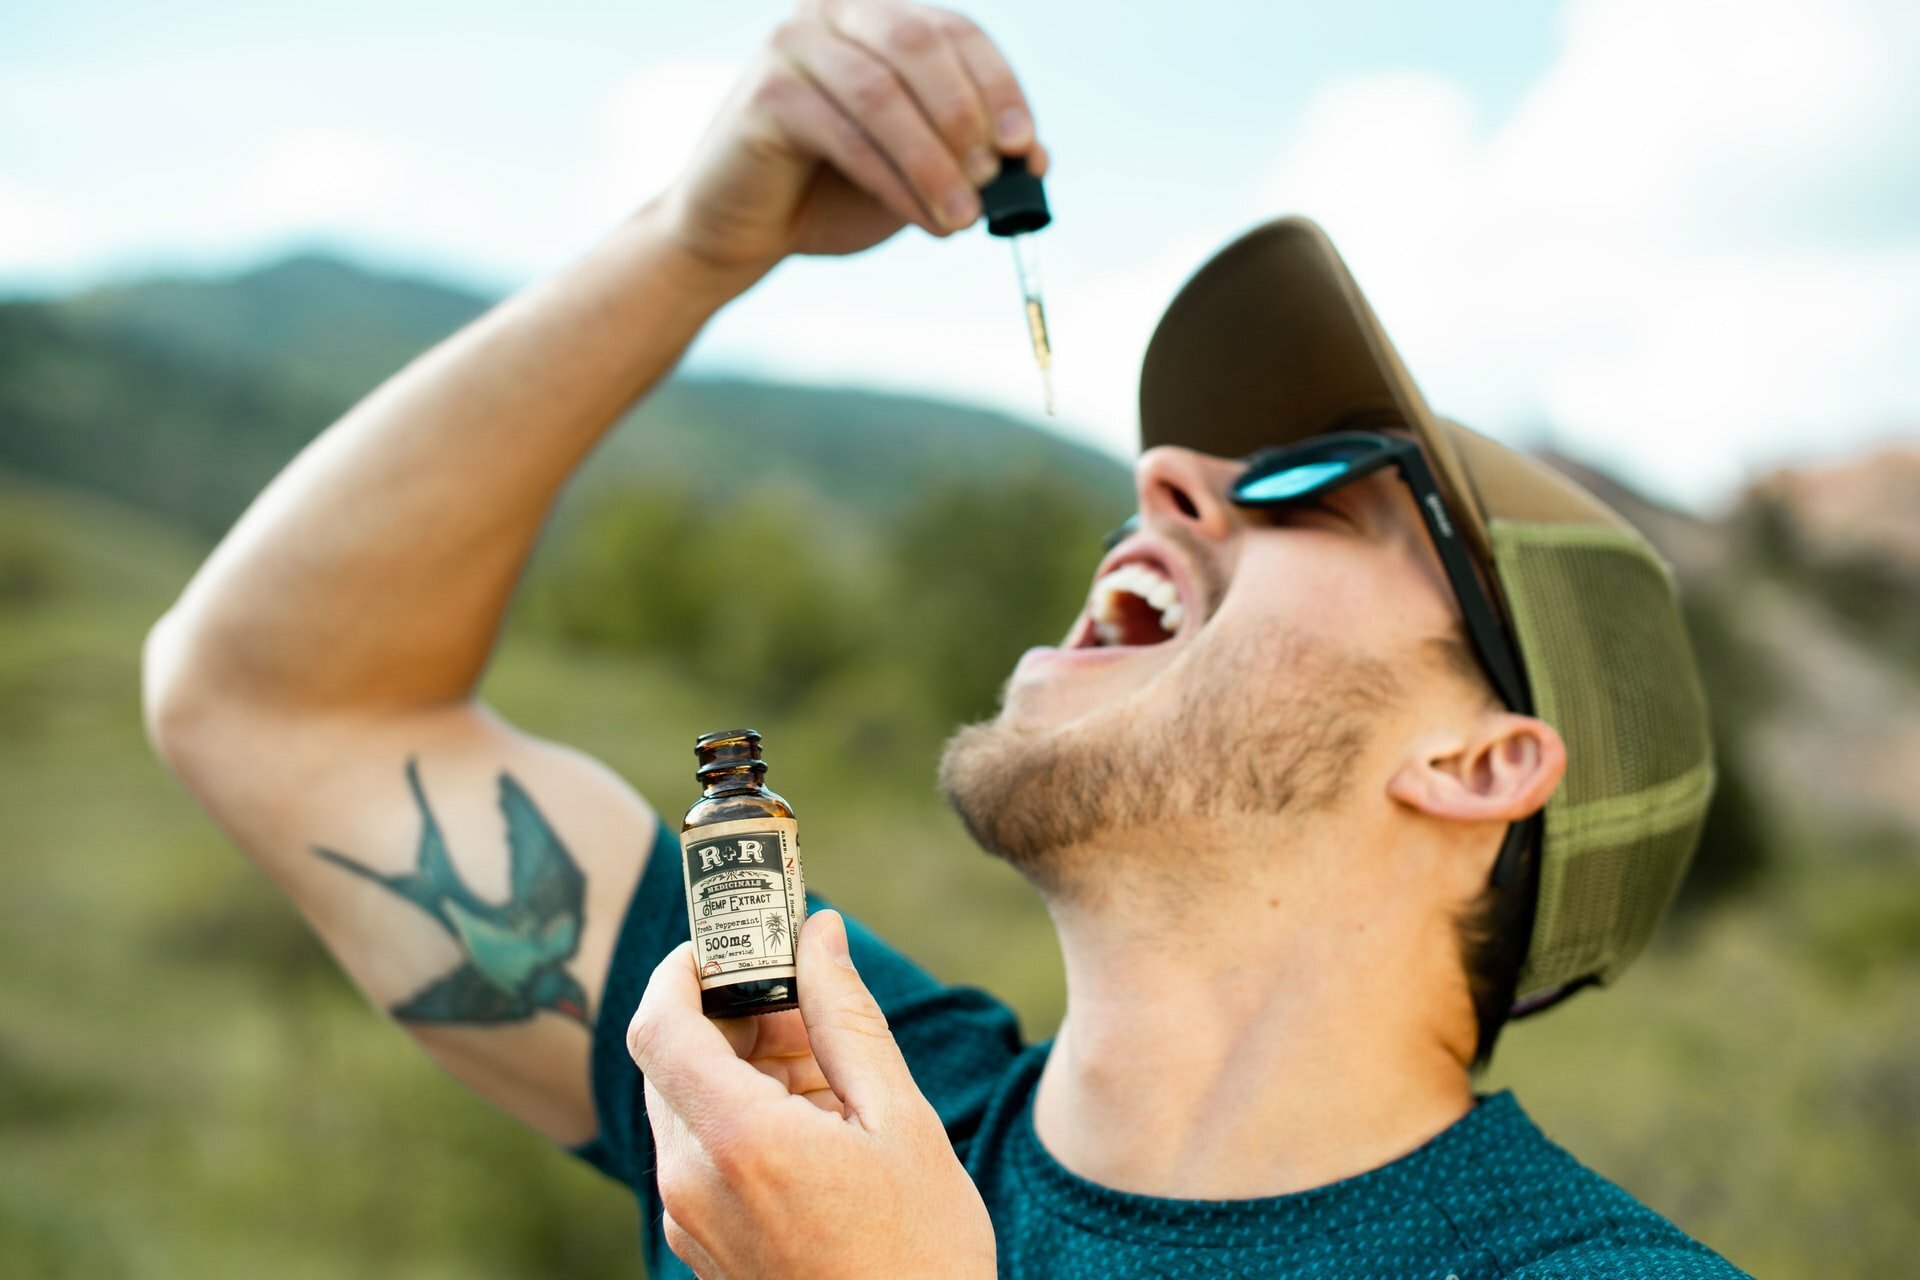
{"x": 1280, "y": 1044}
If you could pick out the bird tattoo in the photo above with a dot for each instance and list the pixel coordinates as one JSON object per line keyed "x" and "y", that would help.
{"x": 516, "y": 951}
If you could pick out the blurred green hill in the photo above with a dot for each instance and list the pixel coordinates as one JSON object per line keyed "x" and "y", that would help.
{"x": 187, "y": 1086}
{"x": 184, "y": 396}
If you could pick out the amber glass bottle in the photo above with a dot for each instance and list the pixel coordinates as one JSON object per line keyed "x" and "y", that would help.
{"x": 746, "y": 900}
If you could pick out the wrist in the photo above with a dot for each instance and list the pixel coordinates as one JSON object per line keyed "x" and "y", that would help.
{"x": 655, "y": 232}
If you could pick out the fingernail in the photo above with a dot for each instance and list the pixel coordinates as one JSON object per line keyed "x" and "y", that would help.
{"x": 960, "y": 208}
{"x": 1014, "y": 127}
{"x": 836, "y": 940}
{"x": 982, "y": 166}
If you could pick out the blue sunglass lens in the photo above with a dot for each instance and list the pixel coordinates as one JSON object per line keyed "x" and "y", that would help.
{"x": 1292, "y": 481}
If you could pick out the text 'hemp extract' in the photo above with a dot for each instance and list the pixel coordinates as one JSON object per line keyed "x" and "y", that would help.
{"x": 1016, "y": 206}
{"x": 746, "y": 901}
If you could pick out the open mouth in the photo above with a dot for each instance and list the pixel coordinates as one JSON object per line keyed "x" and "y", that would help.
{"x": 1135, "y": 604}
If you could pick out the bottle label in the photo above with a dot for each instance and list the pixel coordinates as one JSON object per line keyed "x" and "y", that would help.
{"x": 746, "y": 899}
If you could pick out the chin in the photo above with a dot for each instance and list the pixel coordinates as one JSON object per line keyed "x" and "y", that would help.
{"x": 1110, "y": 747}
{"x": 1035, "y": 706}
{"x": 1076, "y": 755}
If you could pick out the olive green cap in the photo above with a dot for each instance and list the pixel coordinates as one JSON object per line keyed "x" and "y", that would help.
{"x": 1271, "y": 342}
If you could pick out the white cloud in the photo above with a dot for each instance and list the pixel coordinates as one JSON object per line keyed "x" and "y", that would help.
{"x": 961, "y": 332}
{"x": 649, "y": 124}
{"x": 317, "y": 178}
{"x": 33, "y": 233}
{"x": 1628, "y": 256}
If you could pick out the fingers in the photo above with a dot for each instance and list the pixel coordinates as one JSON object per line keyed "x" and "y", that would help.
{"x": 912, "y": 42}
{"x": 1005, "y": 105}
{"x": 846, "y": 1027}
{"x": 869, "y": 92}
{"x": 819, "y": 126}
{"x": 768, "y": 1035}
{"x": 683, "y": 1055}
{"x": 687, "y": 1191}
{"x": 775, "y": 1045}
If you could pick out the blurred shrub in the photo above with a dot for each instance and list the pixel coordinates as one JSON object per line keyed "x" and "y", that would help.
{"x": 49, "y": 1240}
{"x": 742, "y": 589}
{"x": 979, "y": 571}
{"x": 1736, "y": 842}
{"x": 33, "y": 564}
{"x": 1876, "y": 594}
{"x": 235, "y": 924}
{"x": 780, "y": 594}
{"x": 34, "y": 1093}
{"x": 1865, "y": 922}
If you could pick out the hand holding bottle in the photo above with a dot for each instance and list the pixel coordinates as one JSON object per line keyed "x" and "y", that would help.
{"x": 796, "y": 1144}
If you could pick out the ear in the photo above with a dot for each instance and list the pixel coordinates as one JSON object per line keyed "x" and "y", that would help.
{"x": 1501, "y": 770}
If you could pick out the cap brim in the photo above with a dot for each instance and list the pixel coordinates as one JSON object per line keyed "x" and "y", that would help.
{"x": 1272, "y": 342}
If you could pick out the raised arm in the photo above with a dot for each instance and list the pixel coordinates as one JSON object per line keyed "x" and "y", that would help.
{"x": 314, "y": 685}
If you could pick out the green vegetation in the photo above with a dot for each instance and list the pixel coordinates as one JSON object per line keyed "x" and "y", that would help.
{"x": 188, "y": 1087}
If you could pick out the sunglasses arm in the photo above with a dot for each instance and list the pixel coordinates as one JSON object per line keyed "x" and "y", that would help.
{"x": 1483, "y": 627}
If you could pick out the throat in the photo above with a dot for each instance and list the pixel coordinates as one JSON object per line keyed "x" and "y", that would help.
{"x": 1322, "y": 1070}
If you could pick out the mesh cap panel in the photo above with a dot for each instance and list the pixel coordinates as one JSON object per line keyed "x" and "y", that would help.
{"x": 1599, "y": 627}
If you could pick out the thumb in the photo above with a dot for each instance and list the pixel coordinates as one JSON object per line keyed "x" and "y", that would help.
{"x": 845, "y": 1027}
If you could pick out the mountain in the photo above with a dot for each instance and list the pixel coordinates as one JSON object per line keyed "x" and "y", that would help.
{"x": 318, "y": 323}
{"x": 1830, "y": 556}
{"x": 184, "y": 396}
{"x": 1865, "y": 509}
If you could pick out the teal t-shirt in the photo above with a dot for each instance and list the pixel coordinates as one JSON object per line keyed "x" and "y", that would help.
{"x": 1491, "y": 1196}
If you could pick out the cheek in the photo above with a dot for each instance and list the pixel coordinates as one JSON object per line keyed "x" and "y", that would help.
{"x": 1327, "y": 595}
{"x": 1359, "y": 598}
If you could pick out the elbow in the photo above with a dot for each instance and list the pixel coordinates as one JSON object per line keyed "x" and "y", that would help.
{"x": 176, "y": 703}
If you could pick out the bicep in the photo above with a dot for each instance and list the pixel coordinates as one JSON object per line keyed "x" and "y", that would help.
{"x": 471, "y": 880}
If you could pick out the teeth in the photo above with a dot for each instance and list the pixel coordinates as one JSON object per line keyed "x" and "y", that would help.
{"x": 1144, "y": 582}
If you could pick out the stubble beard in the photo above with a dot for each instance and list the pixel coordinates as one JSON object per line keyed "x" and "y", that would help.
{"x": 1265, "y": 726}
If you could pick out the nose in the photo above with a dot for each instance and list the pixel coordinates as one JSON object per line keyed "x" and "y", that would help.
{"x": 1185, "y": 487}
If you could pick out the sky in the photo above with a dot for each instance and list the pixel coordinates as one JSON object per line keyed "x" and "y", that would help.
{"x": 1680, "y": 238}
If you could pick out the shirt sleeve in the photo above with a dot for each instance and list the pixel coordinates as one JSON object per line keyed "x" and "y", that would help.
{"x": 958, "y": 1041}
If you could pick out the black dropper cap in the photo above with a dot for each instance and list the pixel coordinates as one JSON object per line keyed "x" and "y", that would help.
{"x": 1015, "y": 202}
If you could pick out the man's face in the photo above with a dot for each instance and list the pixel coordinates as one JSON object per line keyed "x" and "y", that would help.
{"x": 1228, "y": 662}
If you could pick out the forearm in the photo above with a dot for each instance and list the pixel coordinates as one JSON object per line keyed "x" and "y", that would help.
{"x": 374, "y": 571}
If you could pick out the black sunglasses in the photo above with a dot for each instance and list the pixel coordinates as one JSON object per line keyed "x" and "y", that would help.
{"x": 1301, "y": 473}
{"x": 1305, "y": 471}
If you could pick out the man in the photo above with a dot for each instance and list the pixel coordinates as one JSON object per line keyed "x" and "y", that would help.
{"x": 1282, "y": 789}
